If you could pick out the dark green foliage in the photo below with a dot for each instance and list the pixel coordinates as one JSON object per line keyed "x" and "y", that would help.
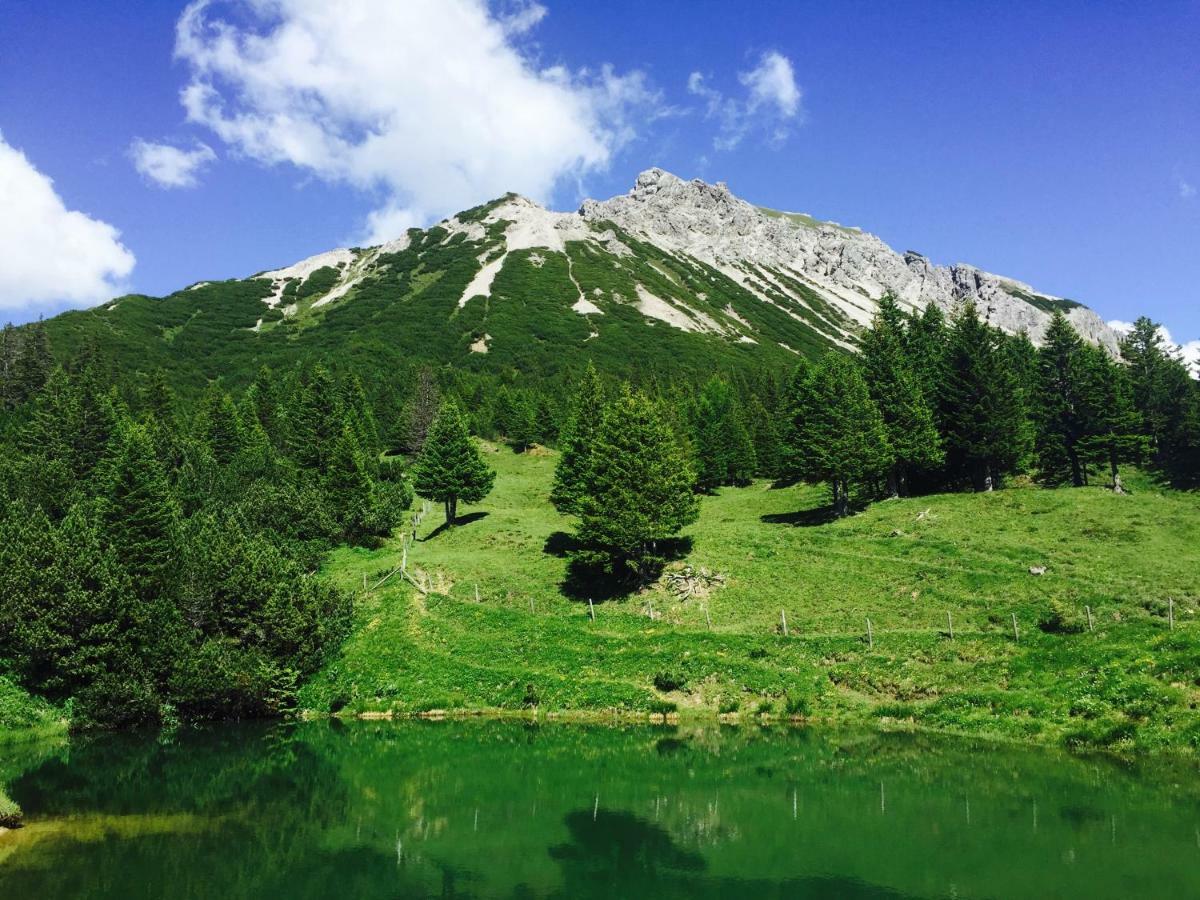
{"x": 724, "y": 451}
{"x": 898, "y": 392}
{"x": 637, "y": 490}
{"x": 522, "y": 430}
{"x": 1061, "y": 410}
{"x": 1114, "y": 435}
{"x": 575, "y": 442}
{"x": 984, "y": 420}
{"x": 140, "y": 512}
{"x": 838, "y": 434}
{"x": 158, "y": 566}
{"x": 1167, "y": 400}
{"x": 450, "y": 468}
{"x": 222, "y": 428}
{"x": 421, "y": 410}
{"x": 764, "y": 429}
{"x": 318, "y": 283}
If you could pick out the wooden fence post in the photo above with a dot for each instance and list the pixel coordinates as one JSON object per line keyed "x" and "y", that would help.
{"x": 870, "y": 635}
{"x": 783, "y": 619}
{"x": 1171, "y": 612}
{"x": 1091, "y": 625}
{"x": 950, "y": 624}
{"x": 1016, "y": 633}
{"x": 591, "y": 610}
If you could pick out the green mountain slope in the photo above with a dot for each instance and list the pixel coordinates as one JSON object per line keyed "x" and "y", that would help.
{"x": 675, "y": 279}
{"x": 538, "y": 311}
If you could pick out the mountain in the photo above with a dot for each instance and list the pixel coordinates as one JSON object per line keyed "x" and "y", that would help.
{"x": 674, "y": 277}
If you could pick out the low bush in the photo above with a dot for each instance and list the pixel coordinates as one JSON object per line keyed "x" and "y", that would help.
{"x": 670, "y": 681}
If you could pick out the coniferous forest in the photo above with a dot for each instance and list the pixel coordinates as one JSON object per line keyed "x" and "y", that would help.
{"x": 161, "y": 556}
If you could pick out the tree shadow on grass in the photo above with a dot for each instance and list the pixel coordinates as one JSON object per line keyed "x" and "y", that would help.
{"x": 802, "y": 518}
{"x": 586, "y": 581}
{"x": 458, "y": 523}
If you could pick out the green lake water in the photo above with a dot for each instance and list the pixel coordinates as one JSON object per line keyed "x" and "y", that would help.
{"x": 491, "y": 809}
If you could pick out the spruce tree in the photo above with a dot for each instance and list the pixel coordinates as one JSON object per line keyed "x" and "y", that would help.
{"x": 9, "y": 351}
{"x": 222, "y": 429}
{"x": 764, "y": 427}
{"x": 140, "y": 514}
{"x": 925, "y": 340}
{"x": 1114, "y": 427}
{"x": 898, "y": 393}
{"x": 360, "y": 417}
{"x": 34, "y": 362}
{"x": 840, "y": 437}
{"x": 724, "y": 452}
{"x": 985, "y": 422}
{"x": 314, "y": 418}
{"x": 522, "y": 424}
{"x": 349, "y": 487}
{"x": 799, "y": 405}
{"x": 422, "y": 409}
{"x": 576, "y": 440}
{"x": 547, "y": 422}
{"x": 1061, "y": 413}
{"x": 638, "y": 490}
{"x": 450, "y": 467}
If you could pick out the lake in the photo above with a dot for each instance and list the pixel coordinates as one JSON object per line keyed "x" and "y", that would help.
{"x": 499, "y": 809}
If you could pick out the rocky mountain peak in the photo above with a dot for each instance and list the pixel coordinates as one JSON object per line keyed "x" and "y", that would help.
{"x": 848, "y": 268}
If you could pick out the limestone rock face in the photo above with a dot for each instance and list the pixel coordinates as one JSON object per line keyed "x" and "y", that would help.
{"x": 849, "y": 268}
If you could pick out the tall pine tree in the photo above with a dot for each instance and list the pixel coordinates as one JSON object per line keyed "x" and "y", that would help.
{"x": 450, "y": 468}
{"x": 724, "y": 452}
{"x": 898, "y": 392}
{"x": 839, "y": 434}
{"x": 575, "y": 442}
{"x": 985, "y": 422}
{"x": 637, "y": 492}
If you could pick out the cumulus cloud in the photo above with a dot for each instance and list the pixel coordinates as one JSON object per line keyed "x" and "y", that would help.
{"x": 771, "y": 102}
{"x": 169, "y": 166}
{"x": 1187, "y": 190}
{"x": 429, "y": 104}
{"x": 1188, "y": 351}
{"x": 52, "y": 255}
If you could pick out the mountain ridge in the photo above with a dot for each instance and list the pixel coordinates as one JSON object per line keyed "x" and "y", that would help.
{"x": 848, "y": 268}
{"x": 674, "y": 279}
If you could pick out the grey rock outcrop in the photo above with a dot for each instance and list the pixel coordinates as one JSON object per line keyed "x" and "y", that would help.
{"x": 850, "y": 268}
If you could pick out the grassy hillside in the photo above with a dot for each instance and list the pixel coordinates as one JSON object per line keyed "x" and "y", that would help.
{"x": 906, "y": 564}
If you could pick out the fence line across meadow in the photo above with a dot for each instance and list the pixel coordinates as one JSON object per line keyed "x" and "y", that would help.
{"x": 422, "y": 582}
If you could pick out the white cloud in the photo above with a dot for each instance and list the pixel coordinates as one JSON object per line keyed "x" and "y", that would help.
{"x": 1120, "y": 326}
{"x": 168, "y": 166}
{"x": 1189, "y": 351}
{"x": 773, "y": 83}
{"x": 520, "y": 16}
{"x": 771, "y": 104}
{"x": 52, "y": 255}
{"x": 427, "y": 103}
{"x": 1187, "y": 190}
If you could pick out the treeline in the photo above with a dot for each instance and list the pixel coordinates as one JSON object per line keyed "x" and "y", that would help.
{"x": 935, "y": 405}
{"x": 158, "y": 564}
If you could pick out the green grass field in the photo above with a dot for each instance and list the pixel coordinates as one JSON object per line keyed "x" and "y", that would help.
{"x": 1131, "y": 683}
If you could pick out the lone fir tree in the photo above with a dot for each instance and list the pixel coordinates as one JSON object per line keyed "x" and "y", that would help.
{"x": 637, "y": 492}
{"x": 450, "y": 467}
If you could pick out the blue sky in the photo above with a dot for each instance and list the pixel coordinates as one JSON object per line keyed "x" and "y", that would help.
{"x": 1055, "y": 143}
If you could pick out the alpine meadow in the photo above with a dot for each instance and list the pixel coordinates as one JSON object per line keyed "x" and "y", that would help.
{"x": 666, "y": 545}
{"x": 410, "y": 489}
